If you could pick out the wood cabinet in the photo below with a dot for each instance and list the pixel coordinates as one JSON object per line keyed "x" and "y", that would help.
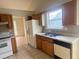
{"x": 38, "y": 17}
{"x": 6, "y": 18}
{"x": 14, "y": 48}
{"x": 3, "y": 18}
{"x": 10, "y": 22}
{"x": 39, "y": 42}
{"x": 50, "y": 49}
{"x": 45, "y": 44}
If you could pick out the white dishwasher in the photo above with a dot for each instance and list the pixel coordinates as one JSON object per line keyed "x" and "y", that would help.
{"x": 62, "y": 50}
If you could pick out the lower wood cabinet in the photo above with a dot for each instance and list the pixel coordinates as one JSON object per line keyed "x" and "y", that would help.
{"x": 39, "y": 42}
{"x": 14, "y": 47}
{"x": 45, "y": 44}
{"x": 50, "y": 49}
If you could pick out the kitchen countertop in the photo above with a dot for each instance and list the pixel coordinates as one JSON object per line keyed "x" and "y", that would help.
{"x": 68, "y": 39}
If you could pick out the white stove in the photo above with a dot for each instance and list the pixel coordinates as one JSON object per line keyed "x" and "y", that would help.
{"x": 5, "y": 45}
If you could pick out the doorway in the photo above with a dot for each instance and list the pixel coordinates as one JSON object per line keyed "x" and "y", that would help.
{"x": 19, "y": 30}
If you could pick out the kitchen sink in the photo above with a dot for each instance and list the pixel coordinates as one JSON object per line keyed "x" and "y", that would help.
{"x": 53, "y": 34}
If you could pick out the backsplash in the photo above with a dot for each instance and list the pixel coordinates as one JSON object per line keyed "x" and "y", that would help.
{"x": 66, "y": 30}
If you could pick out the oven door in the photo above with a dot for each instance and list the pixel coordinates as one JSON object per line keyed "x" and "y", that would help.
{"x": 5, "y": 45}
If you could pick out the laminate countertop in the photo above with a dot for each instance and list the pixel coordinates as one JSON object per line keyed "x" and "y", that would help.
{"x": 68, "y": 39}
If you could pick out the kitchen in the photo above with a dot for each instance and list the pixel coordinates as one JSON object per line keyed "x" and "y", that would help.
{"x": 51, "y": 29}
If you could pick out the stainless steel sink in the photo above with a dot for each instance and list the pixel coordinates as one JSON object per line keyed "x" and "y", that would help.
{"x": 52, "y": 34}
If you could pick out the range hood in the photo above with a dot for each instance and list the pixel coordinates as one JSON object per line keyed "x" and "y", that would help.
{"x": 3, "y": 23}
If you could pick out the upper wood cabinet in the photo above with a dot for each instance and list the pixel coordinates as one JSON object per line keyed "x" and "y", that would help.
{"x": 38, "y": 17}
{"x": 5, "y": 18}
{"x": 10, "y": 22}
{"x": 69, "y": 13}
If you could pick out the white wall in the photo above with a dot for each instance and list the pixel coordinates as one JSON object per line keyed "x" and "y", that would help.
{"x": 15, "y": 4}
{"x": 30, "y": 5}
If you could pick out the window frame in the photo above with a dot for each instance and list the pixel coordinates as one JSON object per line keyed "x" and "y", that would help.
{"x": 47, "y": 16}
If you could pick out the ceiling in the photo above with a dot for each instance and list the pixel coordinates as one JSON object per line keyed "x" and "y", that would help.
{"x": 30, "y": 5}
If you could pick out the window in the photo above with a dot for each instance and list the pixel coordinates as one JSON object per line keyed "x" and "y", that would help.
{"x": 54, "y": 19}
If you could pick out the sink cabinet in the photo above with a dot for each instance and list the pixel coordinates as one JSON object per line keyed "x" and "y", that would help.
{"x": 57, "y": 48}
{"x": 45, "y": 44}
{"x": 50, "y": 49}
{"x": 39, "y": 42}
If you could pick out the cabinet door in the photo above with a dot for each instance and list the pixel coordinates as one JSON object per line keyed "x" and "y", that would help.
{"x": 50, "y": 49}
{"x": 44, "y": 45}
{"x": 0, "y": 18}
{"x": 14, "y": 47}
{"x": 39, "y": 42}
{"x": 10, "y": 22}
{"x": 3, "y": 18}
{"x": 7, "y": 18}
